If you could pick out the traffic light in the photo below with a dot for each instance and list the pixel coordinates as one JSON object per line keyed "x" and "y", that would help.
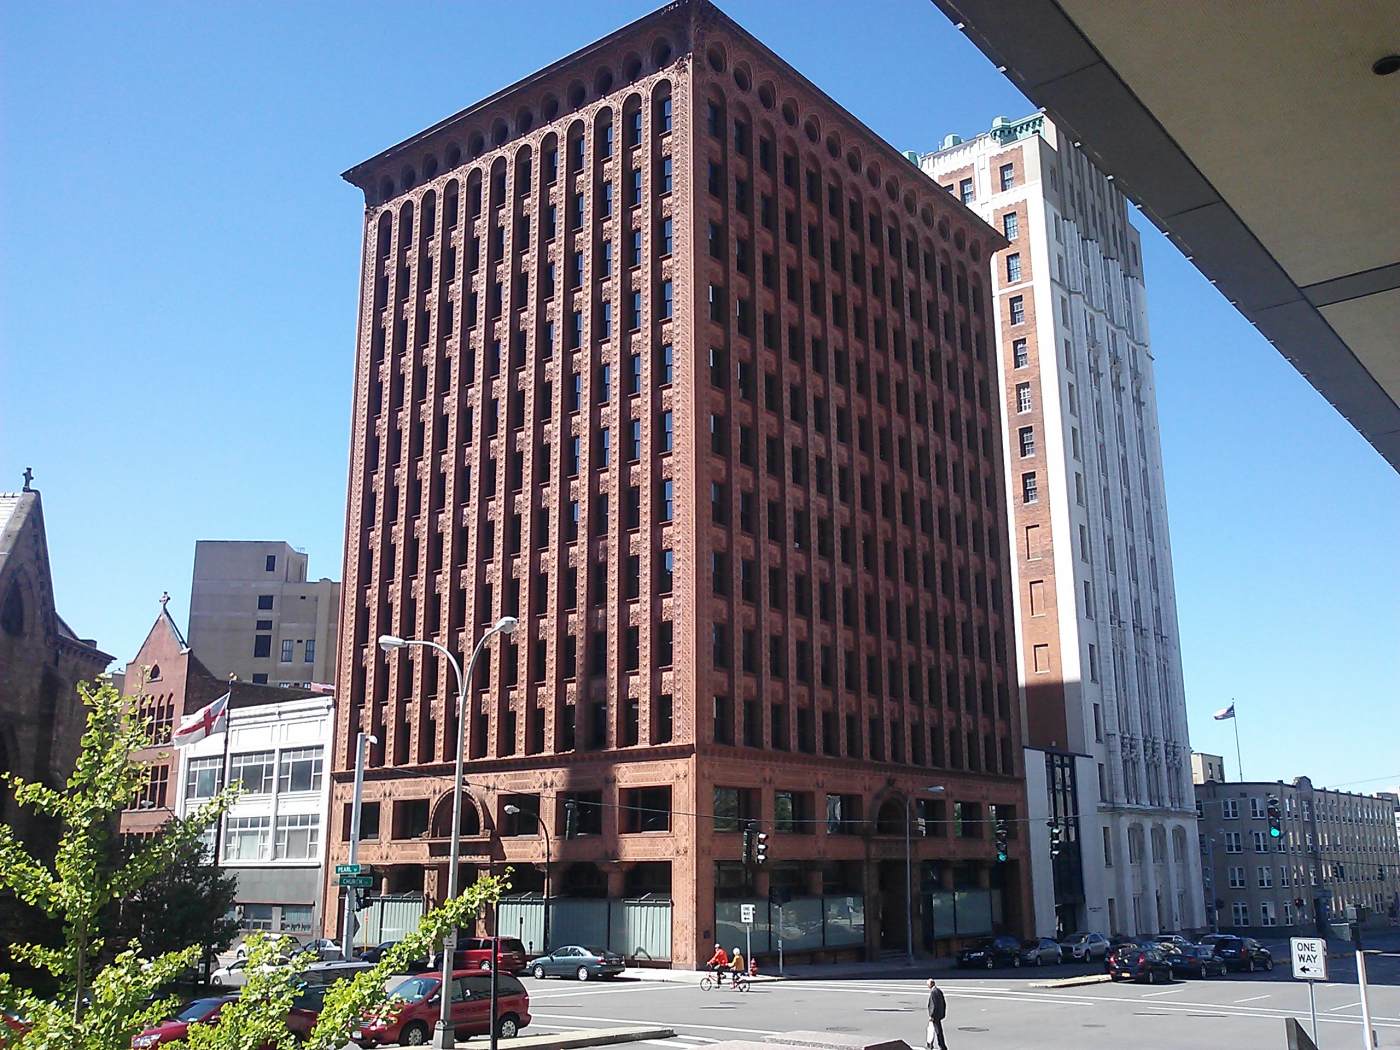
{"x": 1001, "y": 842}
{"x": 1275, "y": 818}
{"x": 760, "y": 848}
{"x": 748, "y": 844}
{"x": 1054, "y": 826}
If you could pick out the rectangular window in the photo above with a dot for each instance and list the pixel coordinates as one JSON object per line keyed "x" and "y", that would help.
{"x": 1018, "y": 310}
{"x": 310, "y": 653}
{"x": 248, "y": 838}
{"x": 1029, "y": 493}
{"x": 300, "y": 769}
{"x": 1026, "y": 437}
{"x": 1020, "y": 355}
{"x": 965, "y": 191}
{"x": 298, "y": 836}
{"x": 1011, "y": 225}
{"x": 264, "y": 601}
{"x": 1008, "y": 176}
{"x": 286, "y": 650}
{"x": 1013, "y": 267}
{"x": 202, "y": 779}
{"x": 262, "y": 646}
{"x": 645, "y": 809}
{"x": 1023, "y": 397}
{"x": 253, "y": 771}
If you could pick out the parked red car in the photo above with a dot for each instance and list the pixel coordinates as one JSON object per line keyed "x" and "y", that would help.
{"x": 198, "y": 1011}
{"x": 411, "y": 1022}
{"x": 12, "y": 1026}
{"x": 474, "y": 953}
{"x": 301, "y": 1019}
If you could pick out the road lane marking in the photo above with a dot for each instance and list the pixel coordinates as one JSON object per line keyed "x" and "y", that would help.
{"x": 1175, "y": 991}
{"x": 655, "y": 987}
{"x": 1251, "y": 999}
{"x": 660, "y": 1024}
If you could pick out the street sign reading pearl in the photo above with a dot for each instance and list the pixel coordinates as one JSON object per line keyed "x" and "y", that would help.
{"x": 1309, "y": 958}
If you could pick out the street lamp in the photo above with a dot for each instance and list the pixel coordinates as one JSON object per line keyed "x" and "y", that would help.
{"x": 444, "y": 1036}
{"x": 515, "y": 811}
{"x": 932, "y": 789}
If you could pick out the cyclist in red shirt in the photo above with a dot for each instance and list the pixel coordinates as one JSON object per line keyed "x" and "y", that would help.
{"x": 719, "y": 963}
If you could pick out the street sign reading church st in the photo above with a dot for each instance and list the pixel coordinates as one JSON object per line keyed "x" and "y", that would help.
{"x": 1309, "y": 958}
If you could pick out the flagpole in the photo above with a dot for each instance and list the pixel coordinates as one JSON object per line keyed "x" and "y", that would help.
{"x": 1235, "y": 718}
{"x": 223, "y": 783}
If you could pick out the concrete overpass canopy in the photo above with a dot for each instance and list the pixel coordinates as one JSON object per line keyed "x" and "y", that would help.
{"x": 1262, "y": 139}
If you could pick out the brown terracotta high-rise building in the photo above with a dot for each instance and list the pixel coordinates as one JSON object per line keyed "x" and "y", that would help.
{"x": 666, "y": 354}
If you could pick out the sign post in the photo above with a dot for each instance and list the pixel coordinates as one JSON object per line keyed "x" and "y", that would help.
{"x": 746, "y": 917}
{"x": 1309, "y": 964}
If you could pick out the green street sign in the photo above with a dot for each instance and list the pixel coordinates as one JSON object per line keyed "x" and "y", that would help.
{"x": 349, "y": 869}
{"x": 362, "y": 882}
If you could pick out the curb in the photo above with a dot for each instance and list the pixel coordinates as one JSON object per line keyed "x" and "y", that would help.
{"x": 584, "y": 1037}
{"x": 1073, "y": 982}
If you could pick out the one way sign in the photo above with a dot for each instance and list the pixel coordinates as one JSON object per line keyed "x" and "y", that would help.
{"x": 1309, "y": 958}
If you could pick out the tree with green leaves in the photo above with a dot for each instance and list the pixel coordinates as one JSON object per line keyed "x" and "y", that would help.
{"x": 89, "y": 875}
{"x": 189, "y": 902}
{"x": 259, "y": 1017}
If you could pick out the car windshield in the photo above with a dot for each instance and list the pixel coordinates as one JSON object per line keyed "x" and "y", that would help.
{"x": 1030, "y": 944}
{"x": 416, "y": 988}
{"x": 599, "y": 952}
{"x": 197, "y": 1010}
{"x": 1198, "y": 951}
{"x": 985, "y": 942}
{"x": 1076, "y": 938}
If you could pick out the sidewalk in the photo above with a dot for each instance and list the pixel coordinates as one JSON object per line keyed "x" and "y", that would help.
{"x": 806, "y": 972}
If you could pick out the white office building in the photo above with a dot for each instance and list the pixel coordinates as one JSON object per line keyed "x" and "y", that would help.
{"x": 274, "y": 836}
{"x": 1107, "y": 754}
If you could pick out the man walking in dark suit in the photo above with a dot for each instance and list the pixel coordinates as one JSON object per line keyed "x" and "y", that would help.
{"x": 937, "y": 1010}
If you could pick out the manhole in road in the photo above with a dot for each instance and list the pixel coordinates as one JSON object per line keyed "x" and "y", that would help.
{"x": 1093, "y": 1026}
{"x": 968, "y": 1028}
{"x": 889, "y": 1009}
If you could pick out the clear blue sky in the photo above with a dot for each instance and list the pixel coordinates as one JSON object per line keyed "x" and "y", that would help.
{"x": 178, "y": 268}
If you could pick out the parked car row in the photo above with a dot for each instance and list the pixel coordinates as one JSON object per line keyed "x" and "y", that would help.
{"x": 1130, "y": 958}
{"x": 408, "y": 1020}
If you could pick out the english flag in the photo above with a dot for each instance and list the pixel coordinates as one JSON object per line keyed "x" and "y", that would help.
{"x": 206, "y": 722}
{"x": 1224, "y": 713}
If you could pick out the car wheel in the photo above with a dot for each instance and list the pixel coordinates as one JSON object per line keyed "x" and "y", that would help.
{"x": 507, "y": 1027}
{"x": 1016, "y": 961}
{"x": 1039, "y": 959}
{"x": 486, "y": 964}
{"x": 415, "y": 1034}
{"x": 539, "y": 973}
{"x": 582, "y": 973}
{"x": 990, "y": 962}
{"x": 1269, "y": 964}
{"x": 1251, "y": 965}
{"x": 1151, "y": 976}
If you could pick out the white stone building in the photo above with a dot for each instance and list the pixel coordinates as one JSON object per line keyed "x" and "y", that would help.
{"x": 274, "y": 836}
{"x": 1107, "y": 752}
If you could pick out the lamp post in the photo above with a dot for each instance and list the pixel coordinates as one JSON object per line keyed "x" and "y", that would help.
{"x": 932, "y": 789}
{"x": 444, "y": 1036}
{"x": 515, "y": 811}
{"x": 362, "y": 741}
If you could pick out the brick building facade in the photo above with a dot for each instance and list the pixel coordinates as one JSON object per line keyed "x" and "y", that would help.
{"x": 41, "y": 663}
{"x": 666, "y": 354}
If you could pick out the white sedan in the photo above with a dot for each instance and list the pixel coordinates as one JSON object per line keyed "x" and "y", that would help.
{"x": 234, "y": 975}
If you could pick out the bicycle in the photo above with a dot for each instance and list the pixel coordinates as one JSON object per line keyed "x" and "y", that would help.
{"x": 739, "y": 982}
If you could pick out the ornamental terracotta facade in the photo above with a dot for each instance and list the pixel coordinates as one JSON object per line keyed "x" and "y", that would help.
{"x": 664, "y": 353}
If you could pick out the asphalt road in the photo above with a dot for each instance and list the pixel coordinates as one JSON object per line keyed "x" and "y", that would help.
{"x": 992, "y": 1010}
